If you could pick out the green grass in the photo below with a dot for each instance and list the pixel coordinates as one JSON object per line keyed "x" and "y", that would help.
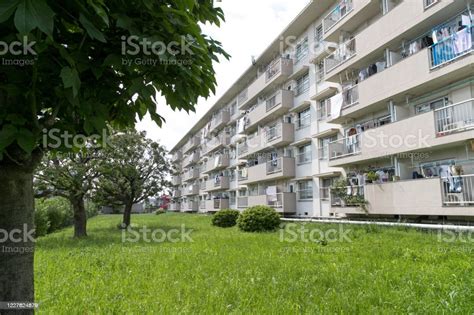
{"x": 381, "y": 270}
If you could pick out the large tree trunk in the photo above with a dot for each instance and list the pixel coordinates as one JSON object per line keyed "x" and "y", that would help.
{"x": 80, "y": 216}
{"x": 127, "y": 214}
{"x": 16, "y": 250}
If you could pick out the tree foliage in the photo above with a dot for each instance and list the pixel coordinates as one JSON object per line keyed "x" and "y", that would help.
{"x": 133, "y": 168}
{"x": 81, "y": 79}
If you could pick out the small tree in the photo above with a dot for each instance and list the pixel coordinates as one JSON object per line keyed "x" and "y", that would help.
{"x": 133, "y": 169}
{"x": 70, "y": 176}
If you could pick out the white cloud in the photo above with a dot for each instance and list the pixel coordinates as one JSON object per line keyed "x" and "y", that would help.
{"x": 251, "y": 25}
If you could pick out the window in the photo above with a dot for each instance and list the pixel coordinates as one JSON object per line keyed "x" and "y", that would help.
{"x": 324, "y": 146}
{"x": 301, "y": 49}
{"x": 427, "y": 107}
{"x": 430, "y": 3}
{"x": 304, "y": 154}
{"x": 302, "y": 84}
{"x": 304, "y": 119}
{"x": 318, "y": 34}
{"x": 233, "y": 109}
{"x": 232, "y": 174}
{"x": 320, "y": 71}
{"x": 305, "y": 190}
{"x": 325, "y": 189}
{"x": 324, "y": 109}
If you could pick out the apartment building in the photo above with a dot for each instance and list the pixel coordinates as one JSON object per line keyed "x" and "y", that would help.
{"x": 375, "y": 97}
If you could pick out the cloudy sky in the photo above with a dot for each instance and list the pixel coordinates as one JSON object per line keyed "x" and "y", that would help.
{"x": 251, "y": 25}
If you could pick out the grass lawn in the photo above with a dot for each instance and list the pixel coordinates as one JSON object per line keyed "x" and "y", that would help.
{"x": 380, "y": 270}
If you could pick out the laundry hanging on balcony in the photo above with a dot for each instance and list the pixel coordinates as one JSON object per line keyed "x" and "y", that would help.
{"x": 336, "y": 105}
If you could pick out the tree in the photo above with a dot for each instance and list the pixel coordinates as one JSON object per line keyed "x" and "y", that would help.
{"x": 70, "y": 176}
{"x": 82, "y": 65}
{"x": 133, "y": 169}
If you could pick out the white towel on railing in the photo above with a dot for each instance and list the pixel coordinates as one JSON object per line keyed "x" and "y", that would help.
{"x": 336, "y": 105}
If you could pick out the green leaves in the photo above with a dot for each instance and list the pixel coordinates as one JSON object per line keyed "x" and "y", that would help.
{"x": 91, "y": 29}
{"x": 71, "y": 79}
{"x": 32, "y": 14}
{"x": 25, "y": 139}
{"x": 7, "y": 7}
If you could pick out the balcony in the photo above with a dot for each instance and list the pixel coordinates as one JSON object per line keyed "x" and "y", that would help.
{"x": 190, "y": 206}
{"x": 277, "y": 135}
{"x": 202, "y": 186}
{"x": 192, "y": 143}
{"x": 175, "y": 207}
{"x": 176, "y": 193}
{"x": 280, "y": 168}
{"x": 191, "y": 174}
{"x": 343, "y": 53}
{"x": 176, "y": 180}
{"x": 418, "y": 197}
{"x": 217, "y": 204}
{"x": 284, "y": 203}
{"x": 177, "y": 156}
{"x": 448, "y": 125}
{"x": 216, "y": 143}
{"x": 191, "y": 190}
{"x": 191, "y": 159}
{"x": 218, "y": 183}
{"x": 217, "y": 163}
{"x": 276, "y": 73}
{"x": 403, "y": 21}
{"x": 274, "y": 107}
{"x": 219, "y": 121}
{"x": 348, "y": 16}
{"x": 242, "y": 202}
{"x": 423, "y": 80}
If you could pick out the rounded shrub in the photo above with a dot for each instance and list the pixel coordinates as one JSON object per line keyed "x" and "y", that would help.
{"x": 56, "y": 218}
{"x": 259, "y": 219}
{"x": 41, "y": 222}
{"x": 225, "y": 218}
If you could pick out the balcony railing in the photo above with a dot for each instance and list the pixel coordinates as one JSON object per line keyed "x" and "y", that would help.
{"x": 274, "y": 166}
{"x": 203, "y": 185}
{"x": 429, "y": 3}
{"x": 275, "y": 68}
{"x": 242, "y": 202}
{"x": 243, "y": 148}
{"x": 303, "y": 122}
{"x": 350, "y": 96}
{"x": 340, "y": 55}
{"x": 350, "y": 191}
{"x": 202, "y": 204}
{"x": 273, "y": 133}
{"x": 458, "y": 191}
{"x": 455, "y": 118}
{"x": 343, "y": 8}
{"x": 303, "y": 158}
{"x": 271, "y": 102}
{"x": 344, "y": 147}
{"x": 275, "y": 201}
{"x": 243, "y": 96}
{"x": 243, "y": 176}
{"x": 452, "y": 48}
